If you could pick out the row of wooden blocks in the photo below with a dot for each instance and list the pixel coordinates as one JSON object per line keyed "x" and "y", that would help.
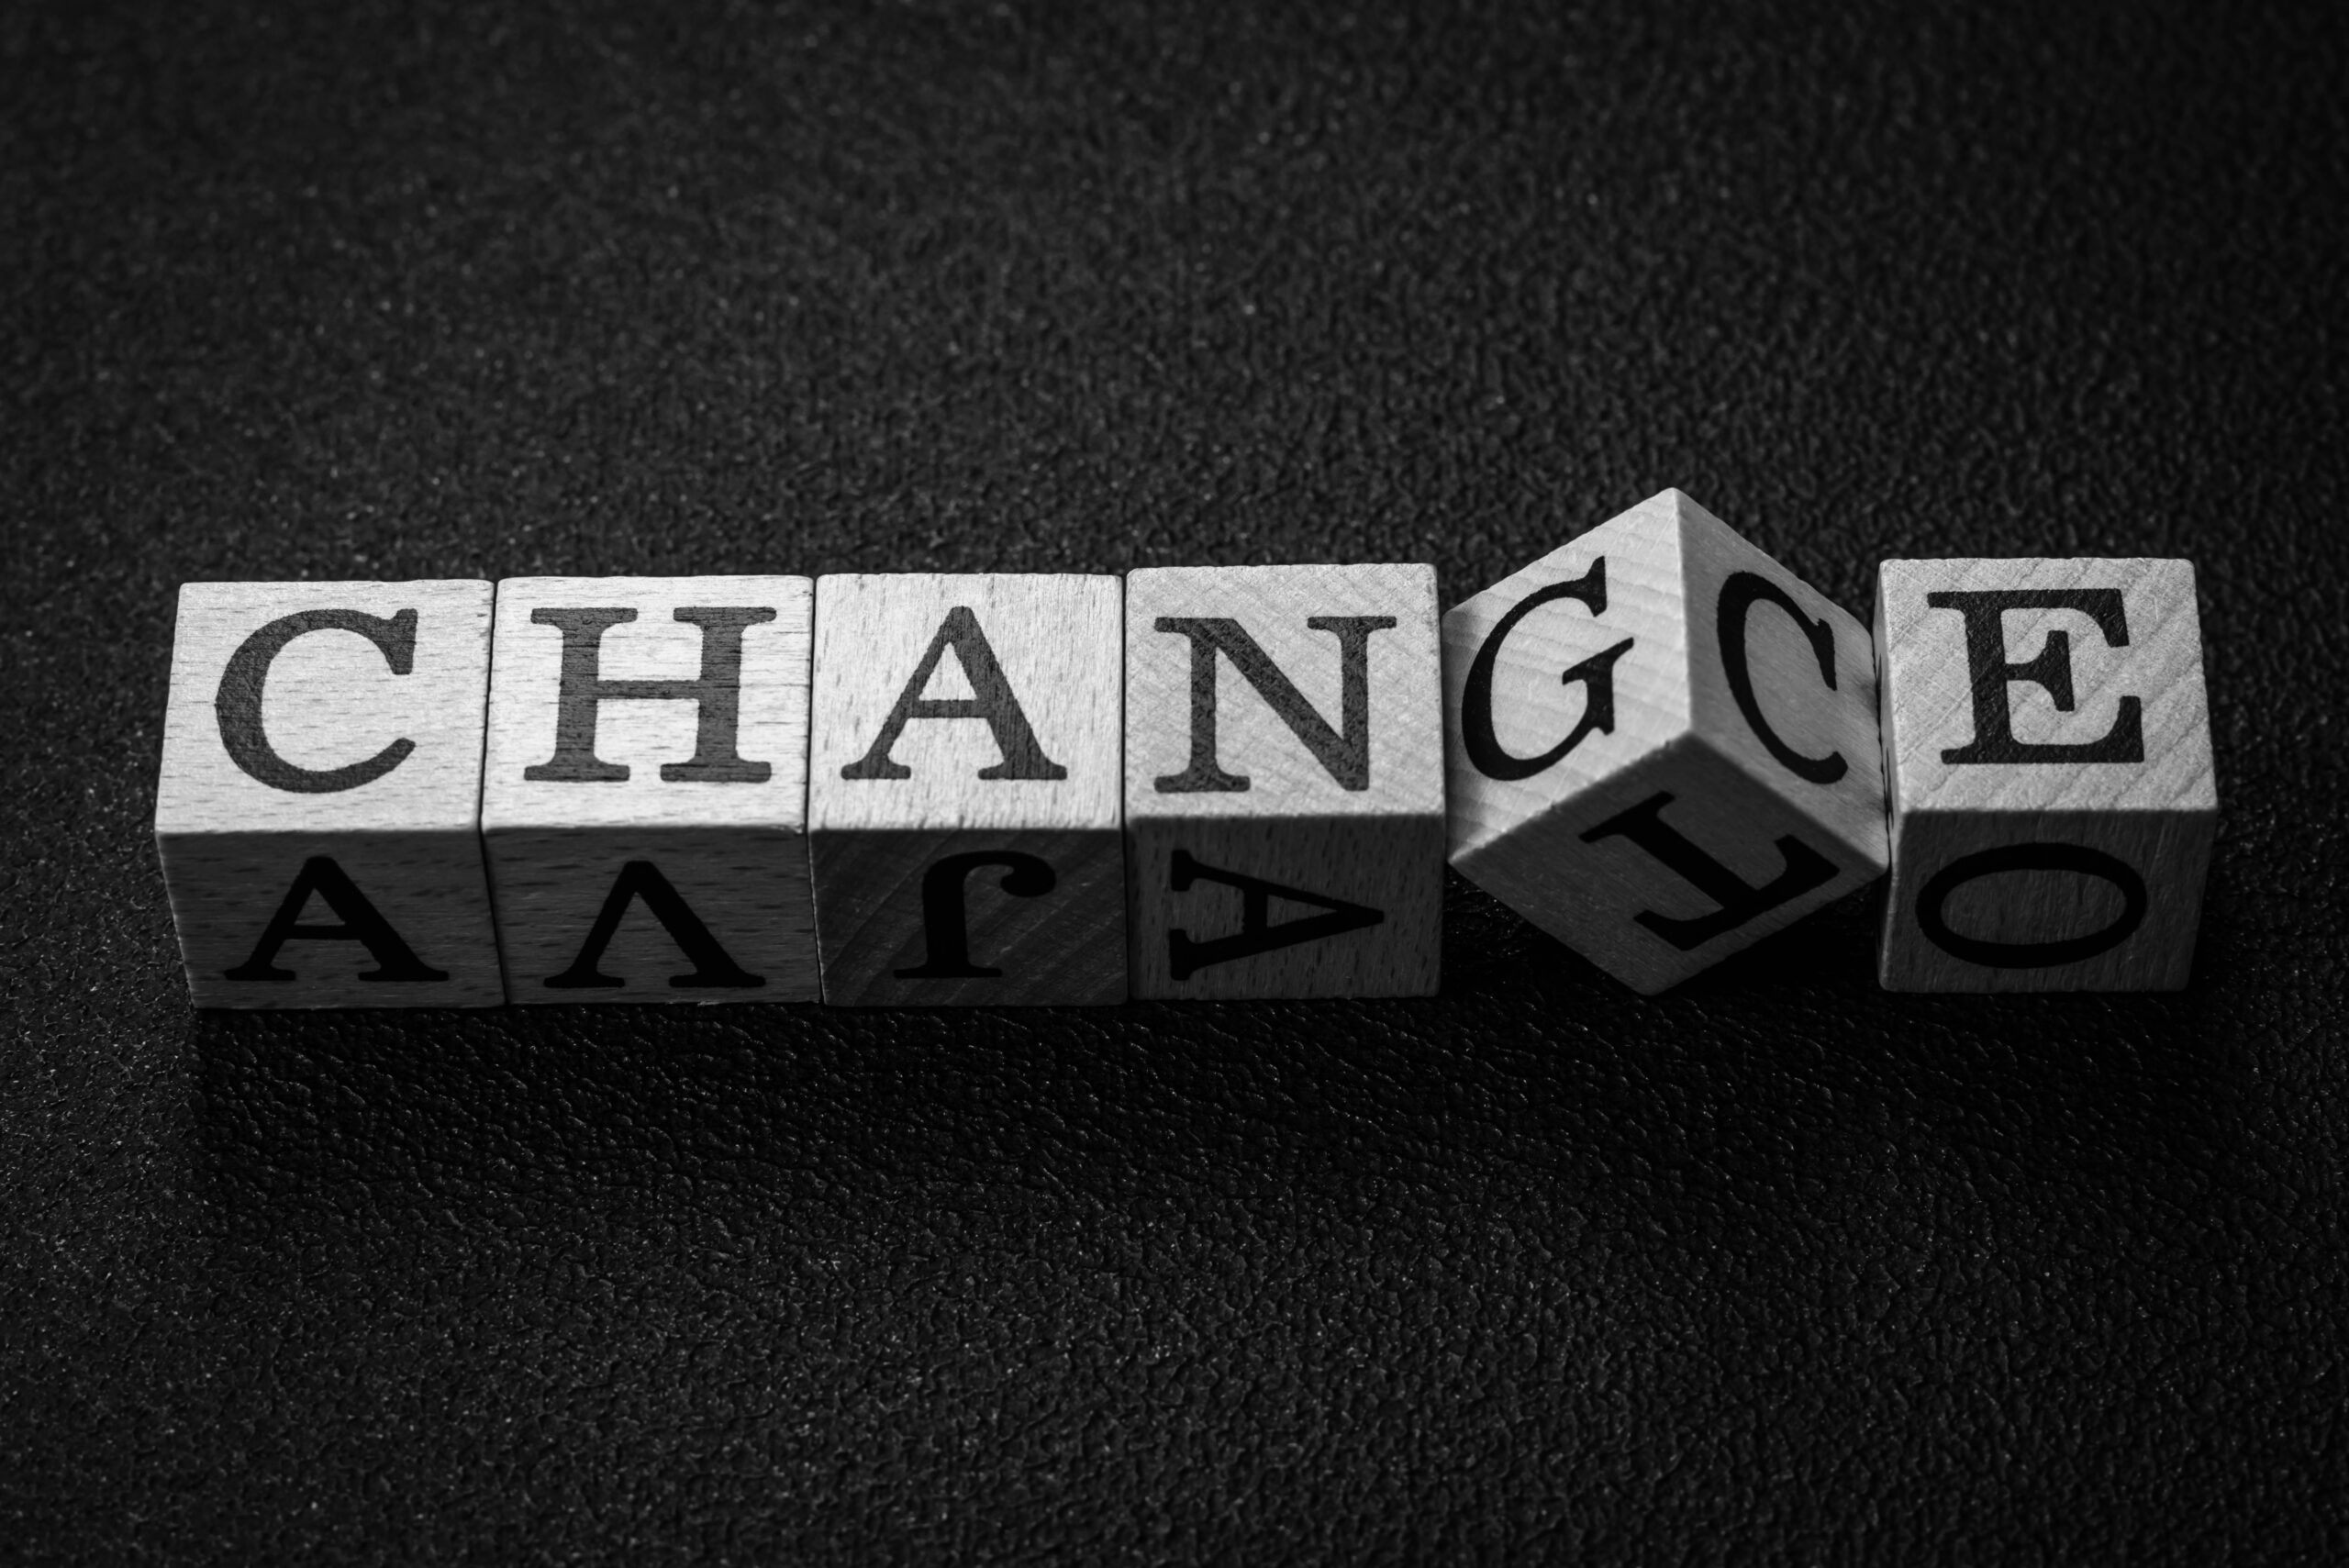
{"x": 1654, "y": 742}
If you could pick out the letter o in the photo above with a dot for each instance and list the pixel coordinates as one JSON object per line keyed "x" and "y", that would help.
{"x": 2031, "y": 857}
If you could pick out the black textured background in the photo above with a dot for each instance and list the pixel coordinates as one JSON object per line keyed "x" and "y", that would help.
{"x": 1778, "y": 1266}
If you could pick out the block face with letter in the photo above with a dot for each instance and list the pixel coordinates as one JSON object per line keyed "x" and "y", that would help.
{"x": 644, "y": 796}
{"x": 964, "y": 784}
{"x": 1662, "y": 744}
{"x": 318, "y": 808}
{"x": 1284, "y": 781}
{"x": 2047, "y": 745}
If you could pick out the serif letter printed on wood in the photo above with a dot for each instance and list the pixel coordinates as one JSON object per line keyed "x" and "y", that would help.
{"x": 963, "y": 789}
{"x": 1284, "y": 781}
{"x": 318, "y": 809}
{"x": 644, "y": 802}
{"x": 2047, "y": 745}
{"x": 1662, "y": 744}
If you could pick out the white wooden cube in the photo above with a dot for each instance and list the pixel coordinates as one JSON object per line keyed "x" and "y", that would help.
{"x": 965, "y": 789}
{"x": 2047, "y": 743}
{"x": 1662, "y": 744}
{"x": 318, "y": 808}
{"x": 1284, "y": 781}
{"x": 644, "y": 803}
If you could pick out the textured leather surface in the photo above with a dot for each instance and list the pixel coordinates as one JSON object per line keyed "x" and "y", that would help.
{"x": 1778, "y": 1266}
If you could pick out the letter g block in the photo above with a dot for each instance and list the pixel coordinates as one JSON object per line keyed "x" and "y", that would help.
{"x": 644, "y": 802}
{"x": 1662, "y": 744}
{"x": 2047, "y": 745}
{"x": 318, "y": 808}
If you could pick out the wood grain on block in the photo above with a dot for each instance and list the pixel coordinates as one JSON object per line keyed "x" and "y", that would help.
{"x": 644, "y": 798}
{"x": 318, "y": 808}
{"x": 964, "y": 800}
{"x": 1284, "y": 781}
{"x": 2047, "y": 746}
{"x": 1662, "y": 744}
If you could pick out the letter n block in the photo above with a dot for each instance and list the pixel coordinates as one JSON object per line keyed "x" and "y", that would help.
{"x": 317, "y": 811}
{"x": 644, "y": 803}
{"x": 2048, "y": 749}
{"x": 963, "y": 797}
{"x": 1662, "y": 744}
{"x": 1284, "y": 781}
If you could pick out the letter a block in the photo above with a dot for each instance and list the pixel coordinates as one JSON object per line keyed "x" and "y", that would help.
{"x": 963, "y": 796}
{"x": 1662, "y": 744}
{"x": 645, "y": 798}
{"x": 2048, "y": 749}
{"x": 317, "y": 812}
{"x": 1284, "y": 781}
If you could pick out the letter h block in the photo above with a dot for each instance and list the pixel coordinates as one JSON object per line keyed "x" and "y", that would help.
{"x": 318, "y": 812}
{"x": 1662, "y": 744}
{"x": 2047, "y": 744}
{"x": 644, "y": 802}
{"x": 963, "y": 796}
{"x": 1284, "y": 781}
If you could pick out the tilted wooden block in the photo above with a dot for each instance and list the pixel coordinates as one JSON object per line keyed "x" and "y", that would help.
{"x": 2048, "y": 752}
{"x": 1284, "y": 781}
{"x": 1662, "y": 744}
{"x": 644, "y": 802}
{"x": 964, "y": 792}
{"x": 318, "y": 810}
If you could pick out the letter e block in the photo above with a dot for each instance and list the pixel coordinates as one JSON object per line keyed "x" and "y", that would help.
{"x": 1284, "y": 781}
{"x": 963, "y": 801}
{"x": 2047, "y": 743}
{"x": 1662, "y": 744}
{"x": 318, "y": 810}
{"x": 645, "y": 799}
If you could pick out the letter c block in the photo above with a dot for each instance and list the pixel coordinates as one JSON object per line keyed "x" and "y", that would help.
{"x": 1662, "y": 744}
{"x": 317, "y": 811}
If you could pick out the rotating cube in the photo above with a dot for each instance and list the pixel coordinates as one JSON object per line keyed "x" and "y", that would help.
{"x": 1662, "y": 744}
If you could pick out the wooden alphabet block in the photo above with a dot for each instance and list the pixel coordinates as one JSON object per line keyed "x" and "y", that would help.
{"x": 644, "y": 804}
{"x": 1662, "y": 744}
{"x": 2048, "y": 751}
{"x": 963, "y": 799}
{"x": 1284, "y": 781}
{"x": 317, "y": 811}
